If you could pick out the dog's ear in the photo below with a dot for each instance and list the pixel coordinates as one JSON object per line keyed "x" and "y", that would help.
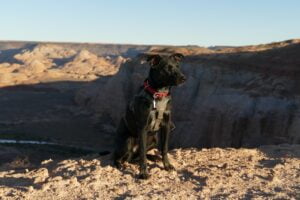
{"x": 177, "y": 57}
{"x": 153, "y": 59}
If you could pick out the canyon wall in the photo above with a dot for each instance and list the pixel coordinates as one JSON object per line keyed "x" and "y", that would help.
{"x": 230, "y": 99}
{"x": 76, "y": 94}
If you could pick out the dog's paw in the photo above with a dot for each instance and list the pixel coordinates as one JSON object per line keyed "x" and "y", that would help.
{"x": 143, "y": 176}
{"x": 169, "y": 167}
{"x": 119, "y": 165}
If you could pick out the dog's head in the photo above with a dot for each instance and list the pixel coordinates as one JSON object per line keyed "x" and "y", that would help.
{"x": 165, "y": 70}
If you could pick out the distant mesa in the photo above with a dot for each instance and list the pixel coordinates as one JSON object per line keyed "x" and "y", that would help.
{"x": 56, "y": 62}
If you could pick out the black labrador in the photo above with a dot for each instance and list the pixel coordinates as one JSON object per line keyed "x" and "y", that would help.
{"x": 148, "y": 113}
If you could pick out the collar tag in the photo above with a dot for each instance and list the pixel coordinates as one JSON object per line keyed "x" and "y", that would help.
{"x": 154, "y": 103}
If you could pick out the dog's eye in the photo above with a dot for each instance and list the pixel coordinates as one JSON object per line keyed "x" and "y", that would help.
{"x": 170, "y": 67}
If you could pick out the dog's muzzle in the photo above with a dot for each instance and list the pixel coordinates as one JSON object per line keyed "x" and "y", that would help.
{"x": 181, "y": 80}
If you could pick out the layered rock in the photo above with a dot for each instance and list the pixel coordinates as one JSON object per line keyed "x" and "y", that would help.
{"x": 86, "y": 63}
{"x": 37, "y": 89}
{"x": 233, "y": 96}
{"x": 230, "y": 99}
{"x": 50, "y": 62}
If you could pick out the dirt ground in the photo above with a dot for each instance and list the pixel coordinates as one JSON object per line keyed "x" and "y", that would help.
{"x": 267, "y": 172}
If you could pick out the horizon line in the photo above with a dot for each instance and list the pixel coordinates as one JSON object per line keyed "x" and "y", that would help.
{"x": 139, "y": 44}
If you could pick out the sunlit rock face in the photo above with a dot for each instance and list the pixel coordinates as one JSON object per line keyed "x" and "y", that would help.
{"x": 233, "y": 99}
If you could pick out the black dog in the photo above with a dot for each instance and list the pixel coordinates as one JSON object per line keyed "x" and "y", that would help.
{"x": 148, "y": 113}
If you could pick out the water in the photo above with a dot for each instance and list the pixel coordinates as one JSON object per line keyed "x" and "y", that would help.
{"x": 5, "y": 141}
{"x": 35, "y": 142}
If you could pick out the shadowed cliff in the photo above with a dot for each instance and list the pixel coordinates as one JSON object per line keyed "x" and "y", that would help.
{"x": 233, "y": 97}
{"x": 230, "y": 99}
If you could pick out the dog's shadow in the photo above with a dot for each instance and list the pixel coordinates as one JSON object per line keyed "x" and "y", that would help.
{"x": 198, "y": 181}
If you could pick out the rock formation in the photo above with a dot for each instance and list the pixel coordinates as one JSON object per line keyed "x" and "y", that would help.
{"x": 77, "y": 93}
{"x": 246, "y": 98}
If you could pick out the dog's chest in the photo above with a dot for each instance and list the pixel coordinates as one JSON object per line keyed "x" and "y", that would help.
{"x": 157, "y": 113}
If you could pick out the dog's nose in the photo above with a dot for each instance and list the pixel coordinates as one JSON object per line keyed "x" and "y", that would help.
{"x": 182, "y": 79}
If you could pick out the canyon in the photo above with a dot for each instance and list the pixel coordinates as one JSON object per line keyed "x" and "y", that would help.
{"x": 237, "y": 122}
{"x": 76, "y": 93}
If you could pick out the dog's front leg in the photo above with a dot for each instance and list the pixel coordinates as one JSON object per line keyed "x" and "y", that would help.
{"x": 165, "y": 133}
{"x": 144, "y": 174}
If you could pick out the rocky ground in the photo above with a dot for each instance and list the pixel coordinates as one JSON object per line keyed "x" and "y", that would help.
{"x": 267, "y": 172}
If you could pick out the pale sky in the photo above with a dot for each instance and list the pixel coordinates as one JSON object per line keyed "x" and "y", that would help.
{"x": 173, "y": 22}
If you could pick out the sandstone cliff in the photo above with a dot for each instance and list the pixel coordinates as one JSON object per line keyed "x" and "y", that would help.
{"x": 76, "y": 93}
{"x": 243, "y": 98}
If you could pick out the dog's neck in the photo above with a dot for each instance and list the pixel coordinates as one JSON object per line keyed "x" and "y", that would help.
{"x": 156, "y": 86}
{"x": 156, "y": 92}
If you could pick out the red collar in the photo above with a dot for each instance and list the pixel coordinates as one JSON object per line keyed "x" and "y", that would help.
{"x": 154, "y": 92}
